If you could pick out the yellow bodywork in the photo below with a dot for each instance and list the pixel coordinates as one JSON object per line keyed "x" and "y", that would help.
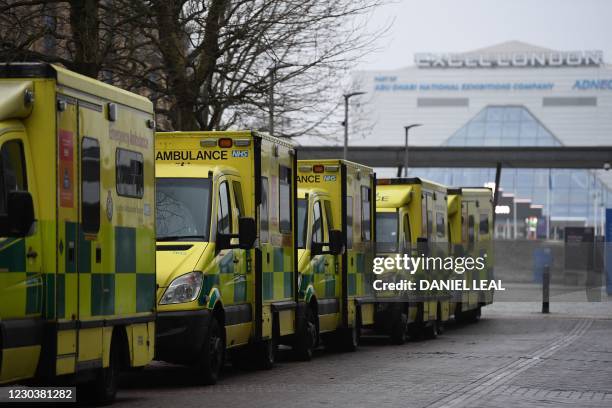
{"x": 257, "y": 170}
{"x": 470, "y": 212}
{"x": 420, "y": 208}
{"x": 76, "y": 279}
{"x": 344, "y": 193}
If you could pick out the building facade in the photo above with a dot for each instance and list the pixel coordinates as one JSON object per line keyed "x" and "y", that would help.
{"x": 511, "y": 94}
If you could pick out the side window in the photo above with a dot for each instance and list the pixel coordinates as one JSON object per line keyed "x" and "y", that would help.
{"x": 349, "y": 222}
{"x": 429, "y": 224}
{"x": 13, "y": 170}
{"x": 471, "y": 229}
{"x": 440, "y": 225}
{"x": 264, "y": 212}
{"x": 284, "y": 189}
{"x": 129, "y": 167}
{"x": 224, "y": 214}
{"x": 90, "y": 185}
{"x": 407, "y": 236}
{"x": 365, "y": 214}
{"x": 317, "y": 223}
{"x": 484, "y": 224}
{"x": 238, "y": 198}
{"x": 328, "y": 215}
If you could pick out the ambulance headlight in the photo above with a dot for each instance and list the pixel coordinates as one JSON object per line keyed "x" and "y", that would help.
{"x": 185, "y": 288}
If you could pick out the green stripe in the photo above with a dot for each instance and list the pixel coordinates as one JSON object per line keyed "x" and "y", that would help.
{"x": 12, "y": 256}
{"x": 61, "y": 295}
{"x": 352, "y": 283}
{"x": 330, "y": 286}
{"x": 102, "y": 294}
{"x": 125, "y": 250}
{"x": 49, "y": 290}
{"x": 288, "y": 284}
{"x": 268, "y": 285}
{"x": 279, "y": 264}
{"x": 145, "y": 292}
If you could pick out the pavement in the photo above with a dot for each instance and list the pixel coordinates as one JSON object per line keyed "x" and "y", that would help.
{"x": 514, "y": 357}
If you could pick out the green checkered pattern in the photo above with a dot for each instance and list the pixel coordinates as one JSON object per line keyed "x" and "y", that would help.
{"x": 14, "y": 274}
{"x": 277, "y": 277}
{"x": 224, "y": 276}
{"x": 121, "y": 282}
{"x": 325, "y": 284}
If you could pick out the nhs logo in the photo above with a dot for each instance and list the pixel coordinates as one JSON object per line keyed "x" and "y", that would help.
{"x": 240, "y": 153}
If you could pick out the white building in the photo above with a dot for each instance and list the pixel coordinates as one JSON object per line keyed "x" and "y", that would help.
{"x": 505, "y": 95}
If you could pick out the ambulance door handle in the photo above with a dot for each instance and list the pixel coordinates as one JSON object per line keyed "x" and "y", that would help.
{"x": 31, "y": 254}
{"x": 236, "y": 260}
{"x": 326, "y": 263}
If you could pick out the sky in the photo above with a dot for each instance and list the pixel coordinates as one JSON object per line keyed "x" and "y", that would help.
{"x": 464, "y": 25}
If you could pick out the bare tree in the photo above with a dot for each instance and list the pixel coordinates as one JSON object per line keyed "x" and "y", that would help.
{"x": 207, "y": 64}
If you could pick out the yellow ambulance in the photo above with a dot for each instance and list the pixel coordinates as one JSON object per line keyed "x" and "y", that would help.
{"x": 335, "y": 230}
{"x": 226, "y": 249}
{"x": 470, "y": 221}
{"x": 77, "y": 281}
{"x": 411, "y": 218}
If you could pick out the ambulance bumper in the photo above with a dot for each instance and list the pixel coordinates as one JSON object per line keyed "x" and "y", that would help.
{"x": 180, "y": 335}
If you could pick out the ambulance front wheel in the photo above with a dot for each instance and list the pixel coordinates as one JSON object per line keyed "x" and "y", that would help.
{"x": 307, "y": 336}
{"x": 210, "y": 359}
{"x": 267, "y": 353}
{"x": 400, "y": 329}
{"x": 104, "y": 388}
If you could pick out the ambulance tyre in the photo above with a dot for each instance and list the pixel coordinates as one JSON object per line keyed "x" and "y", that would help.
{"x": 266, "y": 353}
{"x": 104, "y": 389}
{"x": 307, "y": 337}
{"x": 430, "y": 331}
{"x": 399, "y": 329}
{"x": 349, "y": 338}
{"x": 210, "y": 360}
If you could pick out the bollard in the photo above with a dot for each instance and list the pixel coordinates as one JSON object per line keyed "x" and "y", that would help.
{"x": 546, "y": 289}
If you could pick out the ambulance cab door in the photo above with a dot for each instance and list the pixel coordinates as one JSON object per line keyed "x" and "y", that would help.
{"x": 331, "y": 262}
{"x": 242, "y": 264}
{"x": 96, "y": 287}
{"x": 20, "y": 268}
{"x": 317, "y": 261}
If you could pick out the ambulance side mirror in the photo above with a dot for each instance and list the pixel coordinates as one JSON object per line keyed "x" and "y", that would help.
{"x": 336, "y": 244}
{"x": 19, "y": 215}
{"x": 247, "y": 233}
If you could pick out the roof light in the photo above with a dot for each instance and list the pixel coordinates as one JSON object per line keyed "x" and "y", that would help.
{"x": 242, "y": 142}
{"x": 208, "y": 142}
{"x": 383, "y": 182}
{"x": 332, "y": 169}
{"x": 226, "y": 142}
{"x": 305, "y": 169}
{"x": 112, "y": 112}
{"x": 318, "y": 168}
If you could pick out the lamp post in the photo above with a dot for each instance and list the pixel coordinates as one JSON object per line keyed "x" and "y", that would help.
{"x": 346, "y": 122}
{"x": 272, "y": 74}
{"x": 406, "y": 129}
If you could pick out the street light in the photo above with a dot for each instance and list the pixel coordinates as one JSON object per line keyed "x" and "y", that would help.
{"x": 346, "y": 102}
{"x": 272, "y": 73}
{"x": 407, "y": 128}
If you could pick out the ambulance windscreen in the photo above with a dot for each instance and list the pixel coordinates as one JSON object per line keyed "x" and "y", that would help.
{"x": 386, "y": 231}
{"x": 183, "y": 209}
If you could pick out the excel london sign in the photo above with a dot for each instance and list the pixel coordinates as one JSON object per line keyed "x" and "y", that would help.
{"x": 527, "y": 59}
